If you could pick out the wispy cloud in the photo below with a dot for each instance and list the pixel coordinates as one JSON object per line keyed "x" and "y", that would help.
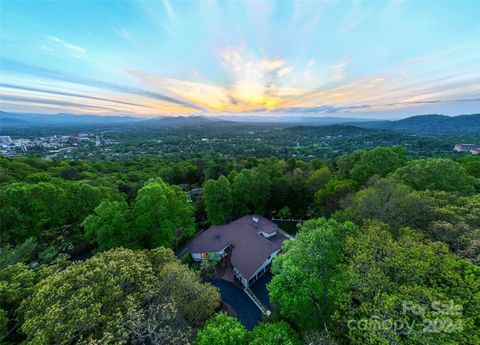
{"x": 169, "y": 9}
{"x": 125, "y": 34}
{"x": 72, "y": 49}
{"x": 36, "y": 71}
{"x": 69, "y": 94}
{"x": 339, "y": 69}
{"x": 55, "y": 102}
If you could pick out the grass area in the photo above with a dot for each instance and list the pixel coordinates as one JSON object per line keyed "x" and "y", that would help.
{"x": 289, "y": 226}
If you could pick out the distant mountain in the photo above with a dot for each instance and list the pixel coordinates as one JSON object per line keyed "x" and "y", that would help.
{"x": 295, "y": 120}
{"x": 184, "y": 121}
{"x": 12, "y": 122}
{"x": 430, "y": 124}
{"x": 8, "y": 120}
{"x": 422, "y": 124}
{"x": 331, "y": 130}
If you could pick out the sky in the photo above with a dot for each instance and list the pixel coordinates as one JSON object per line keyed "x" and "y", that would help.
{"x": 368, "y": 59}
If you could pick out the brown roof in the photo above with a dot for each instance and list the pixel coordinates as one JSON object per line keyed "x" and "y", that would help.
{"x": 250, "y": 249}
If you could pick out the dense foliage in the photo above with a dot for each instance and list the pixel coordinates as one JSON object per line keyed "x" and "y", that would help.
{"x": 384, "y": 230}
{"x": 274, "y": 333}
{"x": 222, "y": 330}
{"x": 94, "y": 301}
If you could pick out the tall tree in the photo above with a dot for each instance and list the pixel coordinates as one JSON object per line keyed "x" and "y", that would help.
{"x": 260, "y": 189}
{"x": 379, "y": 161}
{"x": 304, "y": 284}
{"x": 390, "y": 202}
{"x": 110, "y": 226}
{"x": 218, "y": 200}
{"x": 84, "y": 197}
{"x": 329, "y": 199}
{"x": 242, "y": 192}
{"x": 162, "y": 214}
{"x": 92, "y": 302}
{"x": 274, "y": 333}
{"x": 437, "y": 174}
{"x": 222, "y": 330}
{"x": 30, "y": 209}
{"x": 388, "y": 280}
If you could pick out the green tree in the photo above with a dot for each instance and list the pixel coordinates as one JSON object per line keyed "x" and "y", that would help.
{"x": 242, "y": 192}
{"x": 3, "y": 323}
{"x": 23, "y": 253}
{"x": 277, "y": 333}
{"x": 29, "y": 210}
{"x": 304, "y": 283}
{"x": 83, "y": 198}
{"x": 345, "y": 164}
{"x": 390, "y": 202}
{"x": 471, "y": 164}
{"x": 158, "y": 322}
{"x": 319, "y": 179}
{"x": 437, "y": 174}
{"x": 284, "y": 212}
{"x": 110, "y": 226}
{"x": 222, "y": 330}
{"x": 260, "y": 189}
{"x": 385, "y": 276}
{"x": 455, "y": 222}
{"x": 379, "y": 161}
{"x": 91, "y": 302}
{"x": 218, "y": 200}
{"x": 330, "y": 198}
{"x": 162, "y": 214}
{"x": 208, "y": 265}
{"x": 17, "y": 283}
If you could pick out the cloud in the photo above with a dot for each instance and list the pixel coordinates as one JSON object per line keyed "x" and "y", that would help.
{"x": 255, "y": 82}
{"x": 352, "y": 18}
{"x": 69, "y": 94}
{"x": 339, "y": 69}
{"x": 435, "y": 101}
{"x": 27, "y": 69}
{"x": 169, "y": 10}
{"x": 74, "y": 50}
{"x": 323, "y": 109}
{"x": 55, "y": 102}
{"x": 126, "y": 35}
{"x": 203, "y": 95}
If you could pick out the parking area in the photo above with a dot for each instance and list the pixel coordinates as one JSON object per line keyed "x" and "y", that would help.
{"x": 259, "y": 288}
{"x": 247, "y": 311}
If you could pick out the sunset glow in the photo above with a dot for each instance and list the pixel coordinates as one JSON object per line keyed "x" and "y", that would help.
{"x": 362, "y": 59}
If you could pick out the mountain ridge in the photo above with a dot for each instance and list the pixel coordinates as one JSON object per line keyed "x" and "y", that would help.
{"x": 420, "y": 124}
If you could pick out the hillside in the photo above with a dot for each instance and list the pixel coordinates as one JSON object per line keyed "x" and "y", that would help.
{"x": 15, "y": 120}
{"x": 330, "y": 130}
{"x": 430, "y": 124}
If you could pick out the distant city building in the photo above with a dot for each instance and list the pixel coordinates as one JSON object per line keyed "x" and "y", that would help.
{"x": 5, "y": 139}
{"x": 472, "y": 148}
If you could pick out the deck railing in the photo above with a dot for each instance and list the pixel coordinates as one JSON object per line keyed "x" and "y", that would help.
{"x": 255, "y": 300}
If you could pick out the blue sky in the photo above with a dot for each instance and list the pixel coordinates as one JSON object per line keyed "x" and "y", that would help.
{"x": 383, "y": 59}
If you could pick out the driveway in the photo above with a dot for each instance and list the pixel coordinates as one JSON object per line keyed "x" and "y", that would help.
{"x": 247, "y": 311}
{"x": 259, "y": 288}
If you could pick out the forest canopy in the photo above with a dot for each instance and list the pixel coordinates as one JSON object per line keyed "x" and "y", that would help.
{"x": 376, "y": 229}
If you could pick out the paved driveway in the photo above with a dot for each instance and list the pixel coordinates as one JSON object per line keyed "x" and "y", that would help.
{"x": 247, "y": 311}
{"x": 259, "y": 288}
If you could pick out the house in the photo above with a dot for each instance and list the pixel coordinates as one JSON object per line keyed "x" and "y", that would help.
{"x": 473, "y": 149}
{"x": 249, "y": 244}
